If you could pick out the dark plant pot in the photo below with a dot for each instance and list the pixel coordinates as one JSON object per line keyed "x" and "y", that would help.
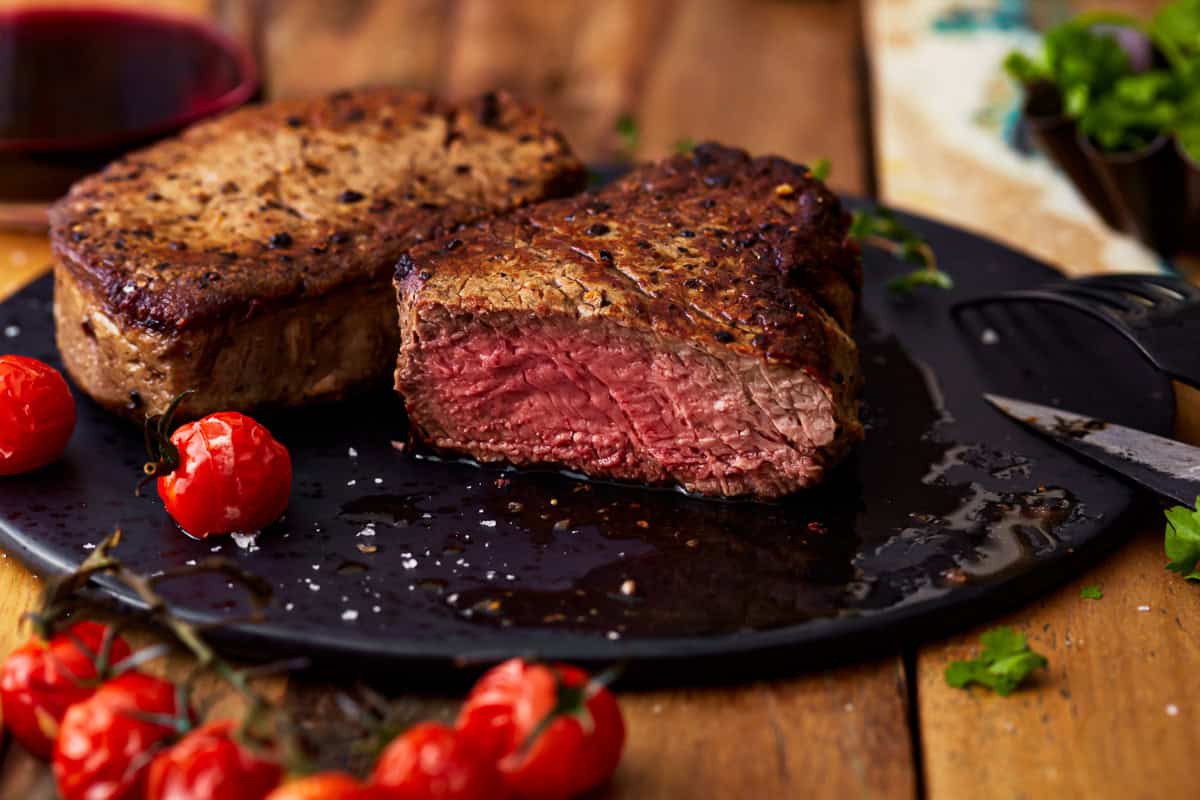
{"x": 1057, "y": 137}
{"x": 1191, "y": 217}
{"x": 1147, "y": 188}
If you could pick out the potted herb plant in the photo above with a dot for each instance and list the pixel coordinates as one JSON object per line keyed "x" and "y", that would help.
{"x": 1114, "y": 103}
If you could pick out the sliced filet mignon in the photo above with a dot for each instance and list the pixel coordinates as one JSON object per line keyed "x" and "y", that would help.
{"x": 250, "y": 259}
{"x": 688, "y": 324}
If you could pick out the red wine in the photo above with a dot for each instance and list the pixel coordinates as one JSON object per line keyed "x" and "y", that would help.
{"x": 79, "y": 87}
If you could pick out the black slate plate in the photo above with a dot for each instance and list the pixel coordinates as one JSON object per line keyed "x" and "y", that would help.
{"x": 946, "y": 514}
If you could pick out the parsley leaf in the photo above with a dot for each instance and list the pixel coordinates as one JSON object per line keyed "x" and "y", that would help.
{"x": 1005, "y": 662}
{"x": 1136, "y": 110}
{"x": 1175, "y": 30}
{"x": 1091, "y": 593}
{"x": 1082, "y": 63}
{"x": 685, "y": 146}
{"x": 822, "y": 169}
{"x": 1189, "y": 141}
{"x": 880, "y": 228}
{"x": 627, "y": 131}
{"x": 1182, "y": 543}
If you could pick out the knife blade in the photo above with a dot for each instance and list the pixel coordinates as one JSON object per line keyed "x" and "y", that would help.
{"x": 1165, "y": 466}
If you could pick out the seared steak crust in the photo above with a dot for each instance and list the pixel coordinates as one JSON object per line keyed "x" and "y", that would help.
{"x": 279, "y": 207}
{"x": 728, "y": 279}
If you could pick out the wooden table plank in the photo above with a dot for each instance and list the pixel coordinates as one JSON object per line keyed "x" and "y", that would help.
{"x": 1115, "y": 715}
{"x": 1119, "y": 708}
{"x": 22, "y": 258}
{"x": 839, "y": 734}
{"x": 769, "y": 76}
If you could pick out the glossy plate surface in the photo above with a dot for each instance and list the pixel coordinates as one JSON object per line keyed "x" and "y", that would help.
{"x": 946, "y": 514}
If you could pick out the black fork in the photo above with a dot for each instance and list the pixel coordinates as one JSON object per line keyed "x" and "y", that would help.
{"x": 1158, "y": 313}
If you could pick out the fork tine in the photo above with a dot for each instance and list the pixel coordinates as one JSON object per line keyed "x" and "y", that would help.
{"x": 1111, "y": 298}
{"x": 1173, "y": 283}
{"x": 1016, "y": 346}
{"x": 1157, "y": 289}
{"x": 1047, "y": 295}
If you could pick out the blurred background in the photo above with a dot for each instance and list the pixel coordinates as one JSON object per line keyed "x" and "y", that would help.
{"x": 906, "y": 98}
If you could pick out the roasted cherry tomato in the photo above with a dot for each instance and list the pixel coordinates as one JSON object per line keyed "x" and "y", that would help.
{"x": 328, "y": 786}
{"x": 40, "y": 680}
{"x": 37, "y": 414}
{"x": 208, "y": 764}
{"x": 566, "y": 756}
{"x": 105, "y": 743}
{"x": 231, "y": 475}
{"x": 431, "y": 761}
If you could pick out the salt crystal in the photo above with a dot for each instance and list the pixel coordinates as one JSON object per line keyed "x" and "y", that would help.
{"x": 989, "y": 336}
{"x": 12, "y": 331}
{"x": 352, "y": 453}
{"x": 351, "y": 482}
{"x": 1143, "y": 608}
{"x": 613, "y": 635}
{"x": 1172, "y": 710}
{"x": 245, "y": 541}
{"x": 409, "y": 563}
{"x": 488, "y": 523}
{"x": 349, "y": 615}
{"x": 378, "y": 481}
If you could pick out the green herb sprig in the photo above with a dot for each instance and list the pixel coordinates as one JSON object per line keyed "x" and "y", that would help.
{"x": 1091, "y": 593}
{"x": 879, "y": 227}
{"x": 822, "y": 169}
{"x": 1004, "y": 663}
{"x": 628, "y": 135}
{"x": 685, "y": 146}
{"x": 1182, "y": 541}
{"x": 1117, "y": 108}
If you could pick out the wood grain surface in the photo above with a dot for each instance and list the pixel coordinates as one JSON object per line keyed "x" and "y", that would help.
{"x": 771, "y": 75}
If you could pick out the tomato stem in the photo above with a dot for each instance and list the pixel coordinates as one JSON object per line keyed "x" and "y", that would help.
{"x": 571, "y": 701}
{"x": 66, "y": 594}
{"x": 161, "y": 451}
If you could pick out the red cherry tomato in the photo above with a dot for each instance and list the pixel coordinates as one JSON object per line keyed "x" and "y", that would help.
{"x": 431, "y": 761}
{"x": 232, "y": 476}
{"x": 328, "y": 786}
{"x": 40, "y": 680}
{"x": 208, "y": 764}
{"x": 105, "y": 743}
{"x": 511, "y": 701}
{"x": 37, "y": 414}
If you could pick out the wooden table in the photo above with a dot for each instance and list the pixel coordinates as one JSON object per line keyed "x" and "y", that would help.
{"x": 1118, "y": 712}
